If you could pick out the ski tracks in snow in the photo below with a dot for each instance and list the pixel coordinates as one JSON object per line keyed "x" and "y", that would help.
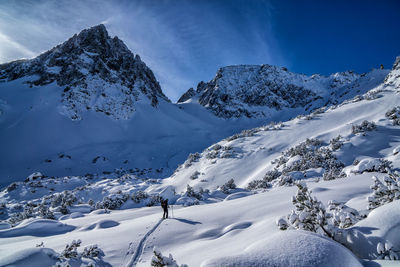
{"x": 140, "y": 248}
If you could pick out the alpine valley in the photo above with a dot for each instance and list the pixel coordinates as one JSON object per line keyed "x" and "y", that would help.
{"x": 261, "y": 166}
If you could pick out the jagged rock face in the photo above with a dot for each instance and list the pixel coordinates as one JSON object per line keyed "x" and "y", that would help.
{"x": 244, "y": 90}
{"x": 393, "y": 78}
{"x": 188, "y": 95}
{"x": 96, "y": 72}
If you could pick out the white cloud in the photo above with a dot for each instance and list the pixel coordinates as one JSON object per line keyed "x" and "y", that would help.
{"x": 11, "y": 50}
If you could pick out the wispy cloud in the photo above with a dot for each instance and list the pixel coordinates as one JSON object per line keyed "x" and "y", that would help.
{"x": 182, "y": 41}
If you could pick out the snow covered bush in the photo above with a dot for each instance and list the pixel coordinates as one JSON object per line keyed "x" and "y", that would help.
{"x": 228, "y": 186}
{"x": 113, "y": 201}
{"x": 158, "y": 260}
{"x": 384, "y": 192}
{"x": 372, "y": 165}
{"x": 191, "y": 158}
{"x": 258, "y": 184}
{"x": 341, "y": 215}
{"x": 365, "y": 126}
{"x": 190, "y": 192}
{"x": 71, "y": 254}
{"x": 28, "y": 212}
{"x": 309, "y": 213}
{"x": 62, "y": 200}
{"x": 308, "y": 155}
{"x": 92, "y": 251}
{"x": 45, "y": 212}
{"x": 336, "y": 143}
{"x": 387, "y": 252}
{"x": 153, "y": 200}
{"x": 218, "y": 151}
{"x": 335, "y": 171}
{"x": 71, "y": 250}
{"x": 195, "y": 175}
{"x": 138, "y": 196}
{"x": 394, "y": 115}
{"x": 265, "y": 182}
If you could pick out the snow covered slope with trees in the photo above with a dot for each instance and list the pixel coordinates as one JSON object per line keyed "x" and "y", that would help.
{"x": 320, "y": 189}
{"x": 90, "y": 105}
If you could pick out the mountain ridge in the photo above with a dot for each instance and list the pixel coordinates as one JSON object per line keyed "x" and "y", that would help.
{"x": 89, "y": 66}
{"x": 258, "y": 90}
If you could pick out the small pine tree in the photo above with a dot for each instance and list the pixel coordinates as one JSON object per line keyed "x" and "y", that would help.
{"x": 384, "y": 192}
{"x": 309, "y": 213}
{"x": 70, "y": 250}
{"x": 159, "y": 260}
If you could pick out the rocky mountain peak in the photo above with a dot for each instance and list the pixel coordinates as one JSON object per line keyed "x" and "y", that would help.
{"x": 96, "y": 72}
{"x": 262, "y": 90}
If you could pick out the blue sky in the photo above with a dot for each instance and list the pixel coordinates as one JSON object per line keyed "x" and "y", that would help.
{"x": 186, "y": 41}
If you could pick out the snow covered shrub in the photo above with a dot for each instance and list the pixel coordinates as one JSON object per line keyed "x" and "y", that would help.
{"x": 91, "y": 202}
{"x": 153, "y": 200}
{"x": 363, "y": 127}
{"x": 284, "y": 180}
{"x": 336, "y": 143}
{"x": 190, "y": 192}
{"x": 244, "y": 133}
{"x": 319, "y": 111}
{"x": 334, "y": 171}
{"x": 28, "y": 212}
{"x": 218, "y": 151}
{"x": 92, "y": 251}
{"x": 307, "y": 155}
{"x": 195, "y": 175}
{"x": 45, "y": 212}
{"x": 191, "y": 158}
{"x": 139, "y": 196}
{"x": 70, "y": 250}
{"x": 62, "y": 200}
{"x": 70, "y": 254}
{"x": 387, "y": 252}
{"x": 113, "y": 202}
{"x": 258, "y": 184}
{"x": 266, "y": 180}
{"x": 394, "y": 115}
{"x": 309, "y": 214}
{"x": 228, "y": 186}
{"x": 341, "y": 215}
{"x": 384, "y": 192}
{"x": 372, "y": 165}
{"x": 158, "y": 260}
{"x": 372, "y": 95}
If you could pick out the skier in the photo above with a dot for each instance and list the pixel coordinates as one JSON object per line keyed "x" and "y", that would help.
{"x": 164, "y": 205}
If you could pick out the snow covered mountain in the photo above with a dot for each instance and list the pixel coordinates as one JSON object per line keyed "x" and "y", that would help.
{"x": 90, "y": 105}
{"x": 95, "y": 72}
{"x": 264, "y": 90}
